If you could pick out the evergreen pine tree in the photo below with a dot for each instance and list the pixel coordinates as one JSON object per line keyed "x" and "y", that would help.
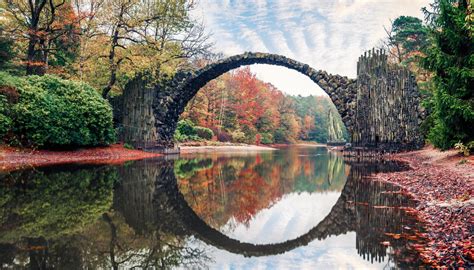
{"x": 450, "y": 58}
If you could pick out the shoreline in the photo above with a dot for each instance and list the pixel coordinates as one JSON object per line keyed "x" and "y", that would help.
{"x": 189, "y": 148}
{"x": 224, "y": 148}
{"x": 308, "y": 144}
{"x": 15, "y": 158}
{"x": 12, "y": 158}
{"x": 442, "y": 183}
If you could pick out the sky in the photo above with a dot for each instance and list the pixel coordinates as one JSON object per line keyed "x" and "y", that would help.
{"x": 325, "y": 34}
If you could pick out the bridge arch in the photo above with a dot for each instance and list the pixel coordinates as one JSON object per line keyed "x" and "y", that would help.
{"x": 338, "y": 221}
{"x": 341, "y": 90}
{"x": 154, "y": 201}
{"x": 342, "y": 218}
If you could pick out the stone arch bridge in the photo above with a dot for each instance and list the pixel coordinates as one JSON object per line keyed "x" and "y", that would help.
{"x": 155, "y": 203}
{"x": 380, "y": 108}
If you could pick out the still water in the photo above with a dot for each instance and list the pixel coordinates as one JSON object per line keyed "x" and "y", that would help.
{"x": 293, "y": 208}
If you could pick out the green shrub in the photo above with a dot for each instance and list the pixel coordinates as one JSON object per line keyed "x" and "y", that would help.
{"x": 204, "y": 132}
{"x": 267, "y": 138}
{"x": 5, "y": 120}
{"x": 280, "y": 136}
{"x": 185, "y": 138}
{"x": 128, "y": 146}
{"x": 195, "y": 138}
{"x": 54, "y": 112}
{"x": 186, "y": 127}
{"x": 186, "y": 130}
{"x": 5, "y": 125}
{"x": 180, "y": 137}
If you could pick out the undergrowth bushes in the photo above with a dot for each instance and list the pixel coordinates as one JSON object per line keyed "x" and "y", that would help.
{"x": 186, "y": 130}
{"x": 52, "y": 112}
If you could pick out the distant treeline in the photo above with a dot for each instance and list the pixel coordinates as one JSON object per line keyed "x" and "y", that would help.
{"x": 238, "y": 107}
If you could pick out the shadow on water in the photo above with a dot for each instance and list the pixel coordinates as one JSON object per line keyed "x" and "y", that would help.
{"x": 149, "y": 213}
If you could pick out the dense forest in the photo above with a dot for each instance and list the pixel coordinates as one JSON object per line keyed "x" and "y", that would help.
{"x": 239, "y": 107}
{"x": 59, "y": 52}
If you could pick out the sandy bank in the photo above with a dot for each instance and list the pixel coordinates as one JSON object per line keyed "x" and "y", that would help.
{"x": 224, "y": 148}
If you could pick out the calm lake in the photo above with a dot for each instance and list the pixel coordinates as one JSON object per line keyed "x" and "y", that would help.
{"x": 298, "y": 207}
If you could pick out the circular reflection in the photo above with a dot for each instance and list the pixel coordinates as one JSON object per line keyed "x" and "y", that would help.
{"x": 214, "y": 193}
{"x": 262, "y": 197}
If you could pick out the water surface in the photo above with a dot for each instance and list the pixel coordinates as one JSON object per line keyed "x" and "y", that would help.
{"x": 294, "y": 208}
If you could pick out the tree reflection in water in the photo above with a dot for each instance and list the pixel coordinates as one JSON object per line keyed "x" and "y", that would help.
{"x": 241, "y": 185}
{"x": 379, "y": 213}
{"x": 140, "y": 215}
{"x": 66, "y": 218}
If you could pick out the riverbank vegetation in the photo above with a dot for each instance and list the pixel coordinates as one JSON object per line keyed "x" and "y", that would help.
{"x": 49, "y": 111}
{"x": 450, "y": 57}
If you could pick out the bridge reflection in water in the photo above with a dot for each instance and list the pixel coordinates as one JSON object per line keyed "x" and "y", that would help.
{"x": 158, "y": 205}
{"x": 375, "y": 211}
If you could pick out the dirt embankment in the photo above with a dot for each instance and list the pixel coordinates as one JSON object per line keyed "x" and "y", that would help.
{"x": 14, "y": 158}
{"x": 443, "y": 183}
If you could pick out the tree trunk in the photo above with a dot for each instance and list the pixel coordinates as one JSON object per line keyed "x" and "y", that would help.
{"x": 33, "y": 60}
{"x": 113, "y": 73}
{"x": 30, "y": 56}
{"x": 112, "y": 80}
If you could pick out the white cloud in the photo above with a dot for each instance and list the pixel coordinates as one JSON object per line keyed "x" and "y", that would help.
{"x": 292, "y": 216}
{"x": 328, "y": 35}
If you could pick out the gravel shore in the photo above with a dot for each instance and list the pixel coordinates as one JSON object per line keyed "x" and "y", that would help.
{"x": 443, "y": 185}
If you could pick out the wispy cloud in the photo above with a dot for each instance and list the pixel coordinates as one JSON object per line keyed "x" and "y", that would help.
{"x": 327, "y": 34}
{"x": 292, "y": 216}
